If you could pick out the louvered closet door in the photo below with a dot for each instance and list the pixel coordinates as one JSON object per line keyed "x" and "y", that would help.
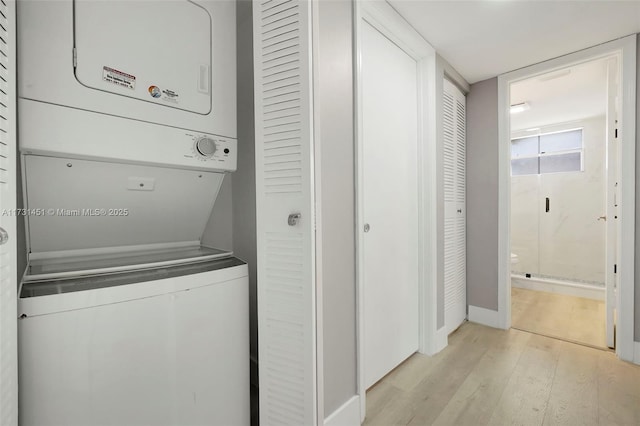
{"x": 455, "y": 275}
{"x": 285, "y": 255}
{"x": 8, "y": 285}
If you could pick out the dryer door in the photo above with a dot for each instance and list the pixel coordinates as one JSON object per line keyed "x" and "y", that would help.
{"x": 158, "y": 51}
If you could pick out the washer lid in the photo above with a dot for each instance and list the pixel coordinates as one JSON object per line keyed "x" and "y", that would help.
{"x": 154, "y": 51}
{"x": 80, "y": 204}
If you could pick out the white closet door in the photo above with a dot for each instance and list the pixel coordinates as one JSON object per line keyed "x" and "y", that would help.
{"x": 455, "y": 275}
{"x": 284, "y": 190}
{"x": 390, "y": 207}
{"x": 8, "y": 285}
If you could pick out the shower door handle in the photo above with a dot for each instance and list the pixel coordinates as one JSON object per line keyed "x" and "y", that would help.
{"x": 546, "y": 204}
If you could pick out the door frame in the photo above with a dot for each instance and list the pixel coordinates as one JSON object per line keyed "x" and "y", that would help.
{"x": 386, "y": 20}
{"x": 626, "y": 49}
{"x": 612, "y": 168}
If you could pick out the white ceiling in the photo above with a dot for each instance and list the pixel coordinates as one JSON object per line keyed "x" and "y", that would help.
{"x": 572, "y": 96}
{"x": 482, "y": 39}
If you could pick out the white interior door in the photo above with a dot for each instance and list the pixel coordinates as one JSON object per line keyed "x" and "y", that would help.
{"x": 285, "y": 214}
{"x": 389, "y": 119}
{"x": 8, "y": 274}
{"x": 454, "y": 146}
{"x": 611, "y": 201}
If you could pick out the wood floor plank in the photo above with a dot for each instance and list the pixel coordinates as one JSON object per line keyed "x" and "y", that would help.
{"x": 618, "y": 391}
{"x": 524, "y": 399}
{"x": 382, "y": 397}
{"x": 557, "y": 315}
{"x": 478, "y": 396}
{"x": 574, "y": 392}
{"x": 433, "y": 393}
{"x": 495, "y": 377}
{"x": 409, "y": 374}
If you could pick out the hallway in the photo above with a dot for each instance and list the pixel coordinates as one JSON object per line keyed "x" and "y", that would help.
{"x": 495, "y": 377}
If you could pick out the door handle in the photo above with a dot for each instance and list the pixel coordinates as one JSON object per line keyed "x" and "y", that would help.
{"x": 603, "y": 218}
{"x": 293, "y": 219}
{"x": 546, "y": 208}
{"x": 4, "y": 236}
{"x": 366, "y": 227}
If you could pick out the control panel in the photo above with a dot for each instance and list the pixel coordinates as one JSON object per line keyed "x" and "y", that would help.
{"x": 119, "y": 139}
{"x": 215, "y": 150}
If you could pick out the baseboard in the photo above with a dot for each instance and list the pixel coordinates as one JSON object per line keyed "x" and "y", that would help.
{"x": 559, "y": 287}
{"x": 253, "y": 370}
{"x": 347, "y": 415}
{"x": 484, "y": 316}
{"x": 636, "y": 353}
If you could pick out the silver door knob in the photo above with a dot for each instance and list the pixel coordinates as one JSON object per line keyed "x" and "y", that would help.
{"x": 366, "y": 227}
{"x": 4, "y": 236}
{"x": 293, "y": 219}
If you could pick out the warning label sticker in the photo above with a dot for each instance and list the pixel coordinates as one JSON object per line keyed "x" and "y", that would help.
{"x": 118, "y": 77}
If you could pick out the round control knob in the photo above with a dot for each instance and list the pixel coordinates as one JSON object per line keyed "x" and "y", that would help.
{"x": 206, "y": 147}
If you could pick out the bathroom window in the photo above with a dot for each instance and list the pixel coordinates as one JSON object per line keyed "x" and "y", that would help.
{"x": 547, "y": 153}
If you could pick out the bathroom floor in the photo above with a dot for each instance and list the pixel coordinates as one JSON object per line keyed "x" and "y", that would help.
{"x": 570, "y": 318}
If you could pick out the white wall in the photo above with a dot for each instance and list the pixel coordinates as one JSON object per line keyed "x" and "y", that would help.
{"x": 567, "y": 242}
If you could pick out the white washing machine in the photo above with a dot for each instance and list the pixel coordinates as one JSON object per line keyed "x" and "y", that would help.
{"x": 159, "y": 346}
{"x": 127, "y": 129}
{"x": 124, "y": 317}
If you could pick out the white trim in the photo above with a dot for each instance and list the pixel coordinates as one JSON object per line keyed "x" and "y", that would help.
{"x": 347, "y": 415}
{"x": 636, "y": 357}
{"x": 316, "y": 162}
{"x": 442, "y": 340}
{"x": 626, "y": 47}
{"x": 452, "y": 75}
{"x": 386, "y": 20}
{"x": 504, "y": 206}
{"x": 427, "y": 207}
{"x": 558, "y": 287}
{"x": 483, "y": 316}
{"x": 359, "y": 177}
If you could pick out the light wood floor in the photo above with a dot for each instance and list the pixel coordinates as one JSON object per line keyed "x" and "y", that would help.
{"x": 566, "y": 317}
{"x": 495, "y": 377}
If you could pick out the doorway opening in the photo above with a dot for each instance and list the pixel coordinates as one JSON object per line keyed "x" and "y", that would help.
{"x": 564, "y": 174}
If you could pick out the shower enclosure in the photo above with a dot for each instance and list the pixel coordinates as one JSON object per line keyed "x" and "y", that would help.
{"x": 558, "y": 203}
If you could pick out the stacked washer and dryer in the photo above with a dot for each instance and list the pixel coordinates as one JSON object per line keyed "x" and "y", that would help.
{"x": 127, "y": 128}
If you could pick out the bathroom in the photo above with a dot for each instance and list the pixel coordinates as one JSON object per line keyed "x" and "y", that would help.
{"x": 563, "y": 183}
